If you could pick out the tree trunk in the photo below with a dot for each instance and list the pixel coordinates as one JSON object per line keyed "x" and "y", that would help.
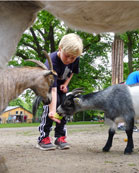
{"x": 51, "y": 37}
{"x": 117, "y": 60}
{"x": 130, "y": 66}
{"x": 39, "y": 49}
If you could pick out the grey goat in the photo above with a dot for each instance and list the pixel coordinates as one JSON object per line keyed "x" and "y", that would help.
{"x": 117, "y": 101}
{"x": 13, "y": 81}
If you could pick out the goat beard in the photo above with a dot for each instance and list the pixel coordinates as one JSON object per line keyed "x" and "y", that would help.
{"x": 36, "y": 103}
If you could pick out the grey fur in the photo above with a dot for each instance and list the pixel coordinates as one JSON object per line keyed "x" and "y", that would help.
{"x": 117, "y": 103}
{"x": 106, "y": 100}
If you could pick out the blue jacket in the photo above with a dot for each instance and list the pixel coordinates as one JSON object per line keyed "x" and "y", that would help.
{"x": 133, "y": 78}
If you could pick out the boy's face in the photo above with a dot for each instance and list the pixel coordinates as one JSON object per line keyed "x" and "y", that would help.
{"x": 66, "y": 58}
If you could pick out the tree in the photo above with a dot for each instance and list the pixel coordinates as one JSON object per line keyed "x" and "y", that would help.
{"x": 131, "y": 49}
{"x": 20, "y": 103}
{"x": 94, "y": 71}
{"x": 117, "y": 59}
{"x": 43, "y": 35}
{"x": 46, "y": 33}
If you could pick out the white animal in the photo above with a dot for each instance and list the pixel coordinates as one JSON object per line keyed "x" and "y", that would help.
{"x": 89, "y": 16}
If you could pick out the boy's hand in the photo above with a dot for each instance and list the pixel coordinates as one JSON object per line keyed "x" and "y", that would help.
{"x": 63, "y": 88}
{"x": 52, "y": 117}
{"x": 57, "y": 116}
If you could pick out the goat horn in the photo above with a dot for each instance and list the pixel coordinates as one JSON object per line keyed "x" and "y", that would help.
{"x": 49, "y": 60}
{"x": 40, "y": 64}
{"x": 75, "y": 91}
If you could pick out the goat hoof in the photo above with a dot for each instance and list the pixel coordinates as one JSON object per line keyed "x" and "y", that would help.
{"x": 128, "y": 151}
{"x": 106, "y": 149}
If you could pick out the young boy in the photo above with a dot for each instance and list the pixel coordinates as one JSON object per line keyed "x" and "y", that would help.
{"x": 65, "y": 63}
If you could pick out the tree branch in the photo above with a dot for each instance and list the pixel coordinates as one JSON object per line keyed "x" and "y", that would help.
{"x": 42, "y": 34}
{"x": 39, "y": 49}
{"x": 21, "y": 55}
{"x": 29, "y": 45}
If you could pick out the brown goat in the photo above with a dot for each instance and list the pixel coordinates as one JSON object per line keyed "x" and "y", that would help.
{"x": 14, "y": 81}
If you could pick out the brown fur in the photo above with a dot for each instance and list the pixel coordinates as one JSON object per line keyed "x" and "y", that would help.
{"x": 15, "y": 80}
{"x": 3, "y": 167}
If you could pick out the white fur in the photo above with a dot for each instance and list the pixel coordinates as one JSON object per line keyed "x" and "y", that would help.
{"x": 93, "y": 16}
{"x": 89, "y": 16}
{"x": 134, "y": 91}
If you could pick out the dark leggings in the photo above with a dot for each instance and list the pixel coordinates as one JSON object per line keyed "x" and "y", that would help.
{"x": 46, "y": 123}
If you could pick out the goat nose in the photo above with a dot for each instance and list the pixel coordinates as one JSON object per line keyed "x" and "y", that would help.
{"x": 46, "y": 101}
{"x": 58, "y": 110}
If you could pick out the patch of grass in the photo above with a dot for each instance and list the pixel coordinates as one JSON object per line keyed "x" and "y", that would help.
{"x": 12, "y": 125}
{"x": 132, "y": 164}
{"x": 84, "y": 122}
{"x": 108, "y": 161}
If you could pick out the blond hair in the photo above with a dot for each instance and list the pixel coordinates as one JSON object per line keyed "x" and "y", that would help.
{"x": 71, "y": 44}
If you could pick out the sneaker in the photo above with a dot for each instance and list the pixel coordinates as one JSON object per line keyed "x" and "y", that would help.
{"x": 121, "y": 128}
{"x": 46, "y": 144}
{"x": 61, "y": 143}
{"x": 135, "y": 129}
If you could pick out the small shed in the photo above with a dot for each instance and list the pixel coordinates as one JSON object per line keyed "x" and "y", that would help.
{"x": 16, "y": 114}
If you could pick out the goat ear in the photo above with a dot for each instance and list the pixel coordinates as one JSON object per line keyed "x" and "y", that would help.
{"x": 77, "y": 100}
{"x": 48, "y": 72}
{"x": 54, "y": 72}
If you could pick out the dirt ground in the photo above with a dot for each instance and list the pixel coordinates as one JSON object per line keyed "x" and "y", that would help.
{"x": 17, "y": 146}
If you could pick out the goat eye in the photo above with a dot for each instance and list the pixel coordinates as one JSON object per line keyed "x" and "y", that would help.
{"x": 51, "y": 82}
{"x": 68, "y": 103}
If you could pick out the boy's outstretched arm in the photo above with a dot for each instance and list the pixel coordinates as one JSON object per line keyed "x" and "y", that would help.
{"x": 52, "y": 105}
